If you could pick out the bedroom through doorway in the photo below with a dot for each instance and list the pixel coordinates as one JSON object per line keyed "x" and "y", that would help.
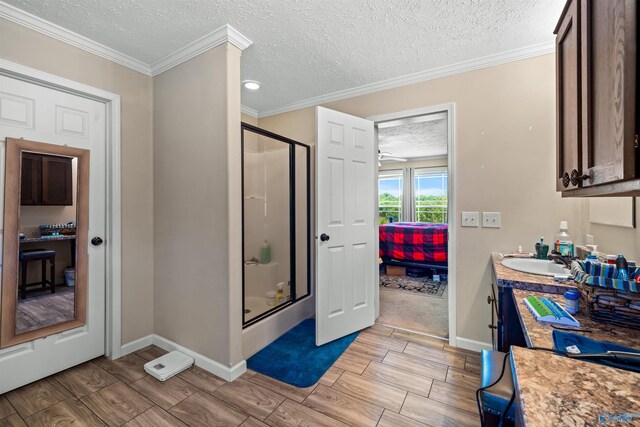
{"x": 413, "y": 219}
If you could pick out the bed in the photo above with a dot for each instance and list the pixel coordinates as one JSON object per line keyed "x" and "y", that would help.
{"x": 414, "y": 244}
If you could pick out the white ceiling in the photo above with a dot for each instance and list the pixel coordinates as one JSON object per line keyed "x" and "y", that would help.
{"x": 414, "y": 140}
{"x": 307, "y": 48}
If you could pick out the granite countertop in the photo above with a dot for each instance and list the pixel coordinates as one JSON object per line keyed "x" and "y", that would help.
{"x": 539, "y": 335}
{"x": 556, "y": 391}
{"x": 508, "y": 278}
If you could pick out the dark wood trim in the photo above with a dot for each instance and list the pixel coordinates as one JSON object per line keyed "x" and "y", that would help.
{"x": 10, "y": 247}
{"x": 616, "y": 189}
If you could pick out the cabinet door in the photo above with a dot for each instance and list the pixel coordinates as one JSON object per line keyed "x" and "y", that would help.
{"x": 609, "y": 38}
{"x": 31, "y": 178}
{"x": 56, "y": 181}
{"x": 568, "y": 93}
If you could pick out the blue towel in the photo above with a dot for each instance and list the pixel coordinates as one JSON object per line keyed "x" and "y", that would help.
{"x": 562, "y": 340}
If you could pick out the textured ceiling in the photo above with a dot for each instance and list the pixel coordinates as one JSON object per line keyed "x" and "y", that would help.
{"x": 308, "y": 48}
{"x": 415, "y": 140}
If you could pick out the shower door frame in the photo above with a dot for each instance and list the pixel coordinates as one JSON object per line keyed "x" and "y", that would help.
{"x": 292, "y": 220}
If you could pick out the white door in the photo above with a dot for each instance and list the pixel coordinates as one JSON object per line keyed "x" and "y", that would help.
{"x": 42, "y": 114}
{"x": 345, "y": 231}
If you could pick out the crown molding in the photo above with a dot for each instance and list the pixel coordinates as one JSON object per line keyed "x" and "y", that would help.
{"x": 215, "y": 38}
{"x": 249, "y": 111}
{"x": 224, "y": 34}
{"x": 32, "y": 22}
{"x": 421, "y": 76}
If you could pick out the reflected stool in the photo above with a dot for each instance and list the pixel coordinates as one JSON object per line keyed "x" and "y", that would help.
{"x": 41, "y": 255}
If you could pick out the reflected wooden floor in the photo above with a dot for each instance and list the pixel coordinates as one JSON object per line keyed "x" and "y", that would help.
{"x": 38, "y": 311}
{"x": 385, "y": 378}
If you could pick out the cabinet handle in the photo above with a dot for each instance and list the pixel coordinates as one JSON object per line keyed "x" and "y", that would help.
{"x": 576, "y": 177}
{"x": 565, "y": 180}
{"x": 493, "y": 327}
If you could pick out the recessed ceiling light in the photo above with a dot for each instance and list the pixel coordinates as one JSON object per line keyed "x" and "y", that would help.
{"x": 251, "y": 84}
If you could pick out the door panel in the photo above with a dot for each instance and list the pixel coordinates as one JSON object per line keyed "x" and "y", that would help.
{"x": 608, "y": 33}
{"x": 42, "y": 114}
{"x": 345, "y": 225}
{"x": 568, "y": 93}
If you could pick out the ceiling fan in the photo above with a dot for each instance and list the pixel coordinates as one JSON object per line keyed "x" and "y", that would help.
{"x": 384, "y": 156}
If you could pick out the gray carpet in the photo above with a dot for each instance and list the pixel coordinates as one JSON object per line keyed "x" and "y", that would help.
{"x": 415, "y": 311}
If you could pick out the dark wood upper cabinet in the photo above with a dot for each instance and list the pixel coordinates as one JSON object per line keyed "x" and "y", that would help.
{"x": 597, "y": 99}
{"x": 31, "y": 179}
{"x": 568, "y": 94}
{"x": 46, "y": 180}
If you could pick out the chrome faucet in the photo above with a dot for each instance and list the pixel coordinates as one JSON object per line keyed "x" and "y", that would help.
{"x": 560, "y": 259}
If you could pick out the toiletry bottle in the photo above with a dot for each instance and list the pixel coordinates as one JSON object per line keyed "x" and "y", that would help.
{"x": 622, "y": 267}
{"x": 265, "y": 253}
{"x": 280, "y": 293}
{"x": 564, "y": 243}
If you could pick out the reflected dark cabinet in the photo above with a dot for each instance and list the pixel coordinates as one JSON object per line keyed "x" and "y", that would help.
{"x": 597, "y": 102}
{"x": 46, "y": 180}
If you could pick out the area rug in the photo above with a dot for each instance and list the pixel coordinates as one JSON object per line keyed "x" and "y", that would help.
{"x": 295, "y": 359}
{"x": 413, "y": 285}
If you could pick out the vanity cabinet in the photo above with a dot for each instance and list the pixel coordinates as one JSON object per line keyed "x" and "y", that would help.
{"x": 46, "y": 180}
{"x": 505, "y": 323}
{"x": 597, "y": 102}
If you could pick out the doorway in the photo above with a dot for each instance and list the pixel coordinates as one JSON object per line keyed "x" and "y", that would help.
{"x": 415, "y": 221}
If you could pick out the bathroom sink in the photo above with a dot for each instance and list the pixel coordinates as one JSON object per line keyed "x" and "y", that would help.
{"x": 535, "y": 266}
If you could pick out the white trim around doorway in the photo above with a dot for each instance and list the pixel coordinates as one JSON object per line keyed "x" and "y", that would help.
{"x": 451, "y": 249}
{"x": 113, "y": 214}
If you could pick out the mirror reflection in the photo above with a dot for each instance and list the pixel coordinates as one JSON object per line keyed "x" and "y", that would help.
{"x": 47, "y": 241}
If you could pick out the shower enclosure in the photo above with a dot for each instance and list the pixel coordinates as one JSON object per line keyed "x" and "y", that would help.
{"x": 276, "y": 223}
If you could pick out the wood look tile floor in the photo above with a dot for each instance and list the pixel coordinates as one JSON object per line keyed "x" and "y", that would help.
{"x": 386, "y": 378}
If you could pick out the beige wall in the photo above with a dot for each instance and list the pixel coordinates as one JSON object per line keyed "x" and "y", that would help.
{"x": 614, "y": 240}
{"x": 24, "y": 46}
{"x": 197, "y": 265}
{"x": 504, "y": 160}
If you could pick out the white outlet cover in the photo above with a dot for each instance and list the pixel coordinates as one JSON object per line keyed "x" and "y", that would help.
{"x": 470, "y": 219}
{"x": 491, "y": 219}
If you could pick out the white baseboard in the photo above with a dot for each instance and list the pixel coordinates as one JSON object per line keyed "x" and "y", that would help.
{"x": 204, "y": 362}
{"x": 474, "y": 345}
{"x": 136, "y": 345}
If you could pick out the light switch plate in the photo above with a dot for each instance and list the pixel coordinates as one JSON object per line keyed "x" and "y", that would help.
{"x": 470, "y": 219}
{"x": 491, "y": 219}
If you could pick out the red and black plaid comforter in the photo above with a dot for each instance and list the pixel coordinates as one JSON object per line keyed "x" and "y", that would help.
{"x": 414, "y": 241}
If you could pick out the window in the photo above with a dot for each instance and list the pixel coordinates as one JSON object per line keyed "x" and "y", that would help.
{"x": 390, "y": 196}
{"x": 430, "y": 189}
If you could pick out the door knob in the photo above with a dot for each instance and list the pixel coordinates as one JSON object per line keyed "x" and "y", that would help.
{"x": 96, "y": 241}
{"x": 324, "y": 237}
{"x": 565, "y": 180}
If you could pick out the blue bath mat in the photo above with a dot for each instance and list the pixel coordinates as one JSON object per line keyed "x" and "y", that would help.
{"x": 294, "y": 358}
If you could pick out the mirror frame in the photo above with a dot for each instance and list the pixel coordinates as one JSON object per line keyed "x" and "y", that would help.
{"x": 11, "y": 245}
